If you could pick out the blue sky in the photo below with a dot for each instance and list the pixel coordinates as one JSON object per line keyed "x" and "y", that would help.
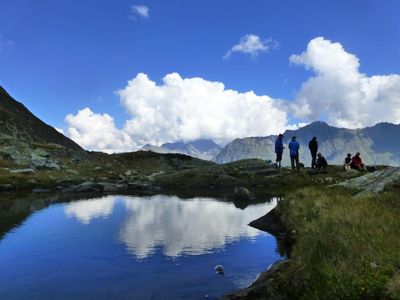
{"x": 59, "y": 57}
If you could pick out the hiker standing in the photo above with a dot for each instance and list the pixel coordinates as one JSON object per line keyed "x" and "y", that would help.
{"x": 347, "y": 162}
{"x": 279, "y": 150}
{"x": 313, "y": 146}
{"x": 294, "y": 153}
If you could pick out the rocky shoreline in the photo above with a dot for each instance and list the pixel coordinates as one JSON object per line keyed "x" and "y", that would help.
{"x": 268, "y": 285}
{"x": 264, "y": 287}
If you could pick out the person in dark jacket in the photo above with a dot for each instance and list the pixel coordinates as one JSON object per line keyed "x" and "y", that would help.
{"x": 321, "y": 162}
{"x": 347, "y": 162}
{"x": 294, "y": 147}
{"x": 279, "y": 150}
{"x": 313, "y": 146}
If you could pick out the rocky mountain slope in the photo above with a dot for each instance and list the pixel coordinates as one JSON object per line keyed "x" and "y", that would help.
{"x": 19, "y": 124}
{"x": 28, "y": 141}
{"x": 203, "y": 148}
{"x": 379, "y": 144}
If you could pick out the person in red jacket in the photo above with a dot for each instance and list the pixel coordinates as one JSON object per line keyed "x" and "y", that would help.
{"x": 356, "y": 163}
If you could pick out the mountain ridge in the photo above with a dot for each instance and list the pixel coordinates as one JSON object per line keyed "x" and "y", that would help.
{"x": 378, "y": 144}
{"x": 205, "y": 149}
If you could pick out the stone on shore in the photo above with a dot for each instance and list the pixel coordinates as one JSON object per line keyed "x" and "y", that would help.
{"x": 373, "y": 182}
{"x": 22, "y": 171}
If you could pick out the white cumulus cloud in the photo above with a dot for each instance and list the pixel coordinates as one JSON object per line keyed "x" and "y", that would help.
{"x": 97, "y": 132}
{"x": 177, "y": 109}
{"x": 252, "y": 45}
{"x": 193, "y": 108}
{"x": 340, "y": 93}
{"x": 140, "y": 10}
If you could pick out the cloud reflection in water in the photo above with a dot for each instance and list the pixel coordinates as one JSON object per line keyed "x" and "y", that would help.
{"x": 86, "y": 210}
{"x": 179, "y": 227}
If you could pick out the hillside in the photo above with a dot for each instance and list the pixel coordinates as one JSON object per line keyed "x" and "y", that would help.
{"x": 19, "y": 124}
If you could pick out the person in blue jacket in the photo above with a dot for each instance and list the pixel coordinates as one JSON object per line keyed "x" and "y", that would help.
{"x": 294, "y": 153}
{"x": 279, "y": 150}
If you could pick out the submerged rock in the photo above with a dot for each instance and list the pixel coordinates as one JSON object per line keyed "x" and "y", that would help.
{"x": 219, "y": 269}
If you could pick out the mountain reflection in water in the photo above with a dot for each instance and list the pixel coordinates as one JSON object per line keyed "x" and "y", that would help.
{"x": 179, "y": 227}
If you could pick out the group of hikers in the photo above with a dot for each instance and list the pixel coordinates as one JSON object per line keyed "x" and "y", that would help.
{"x": 317, "y": 160}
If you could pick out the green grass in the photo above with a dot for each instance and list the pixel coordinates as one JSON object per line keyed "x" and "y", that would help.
{"x": 345, "y": 247}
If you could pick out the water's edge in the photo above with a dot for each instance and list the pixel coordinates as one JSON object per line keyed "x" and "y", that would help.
{"x": 264, "y": 286}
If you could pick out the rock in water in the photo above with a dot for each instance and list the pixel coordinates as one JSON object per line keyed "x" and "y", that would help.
{"x": 219, "y": 269}
{"x": 242, "y": 194}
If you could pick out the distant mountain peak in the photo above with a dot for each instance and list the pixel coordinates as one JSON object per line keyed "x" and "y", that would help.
{"x": 200, "y": 144}
{"x": 203, "y": 148}
{"x": 317, "y": 124}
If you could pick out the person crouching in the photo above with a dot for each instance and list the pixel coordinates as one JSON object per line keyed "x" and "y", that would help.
{"x": 321, "y": 162}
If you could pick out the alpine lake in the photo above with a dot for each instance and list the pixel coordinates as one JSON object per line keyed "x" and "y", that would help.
{"x": 131, "y": 247}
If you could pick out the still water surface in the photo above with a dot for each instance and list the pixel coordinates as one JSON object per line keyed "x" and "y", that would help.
{"x": 120, "y": 247}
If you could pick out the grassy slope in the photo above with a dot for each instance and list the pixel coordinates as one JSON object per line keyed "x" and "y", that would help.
{"x": 345, "y": 247}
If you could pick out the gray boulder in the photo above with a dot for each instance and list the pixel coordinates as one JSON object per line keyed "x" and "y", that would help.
{"x": 108, "y": 186}
{"x": 52, "y": 165}
{"x": 373, "y": 182}
{"x": 40, "y": 160}
{"x": 87, "y": 186}
{"x": 18, "y": 153}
